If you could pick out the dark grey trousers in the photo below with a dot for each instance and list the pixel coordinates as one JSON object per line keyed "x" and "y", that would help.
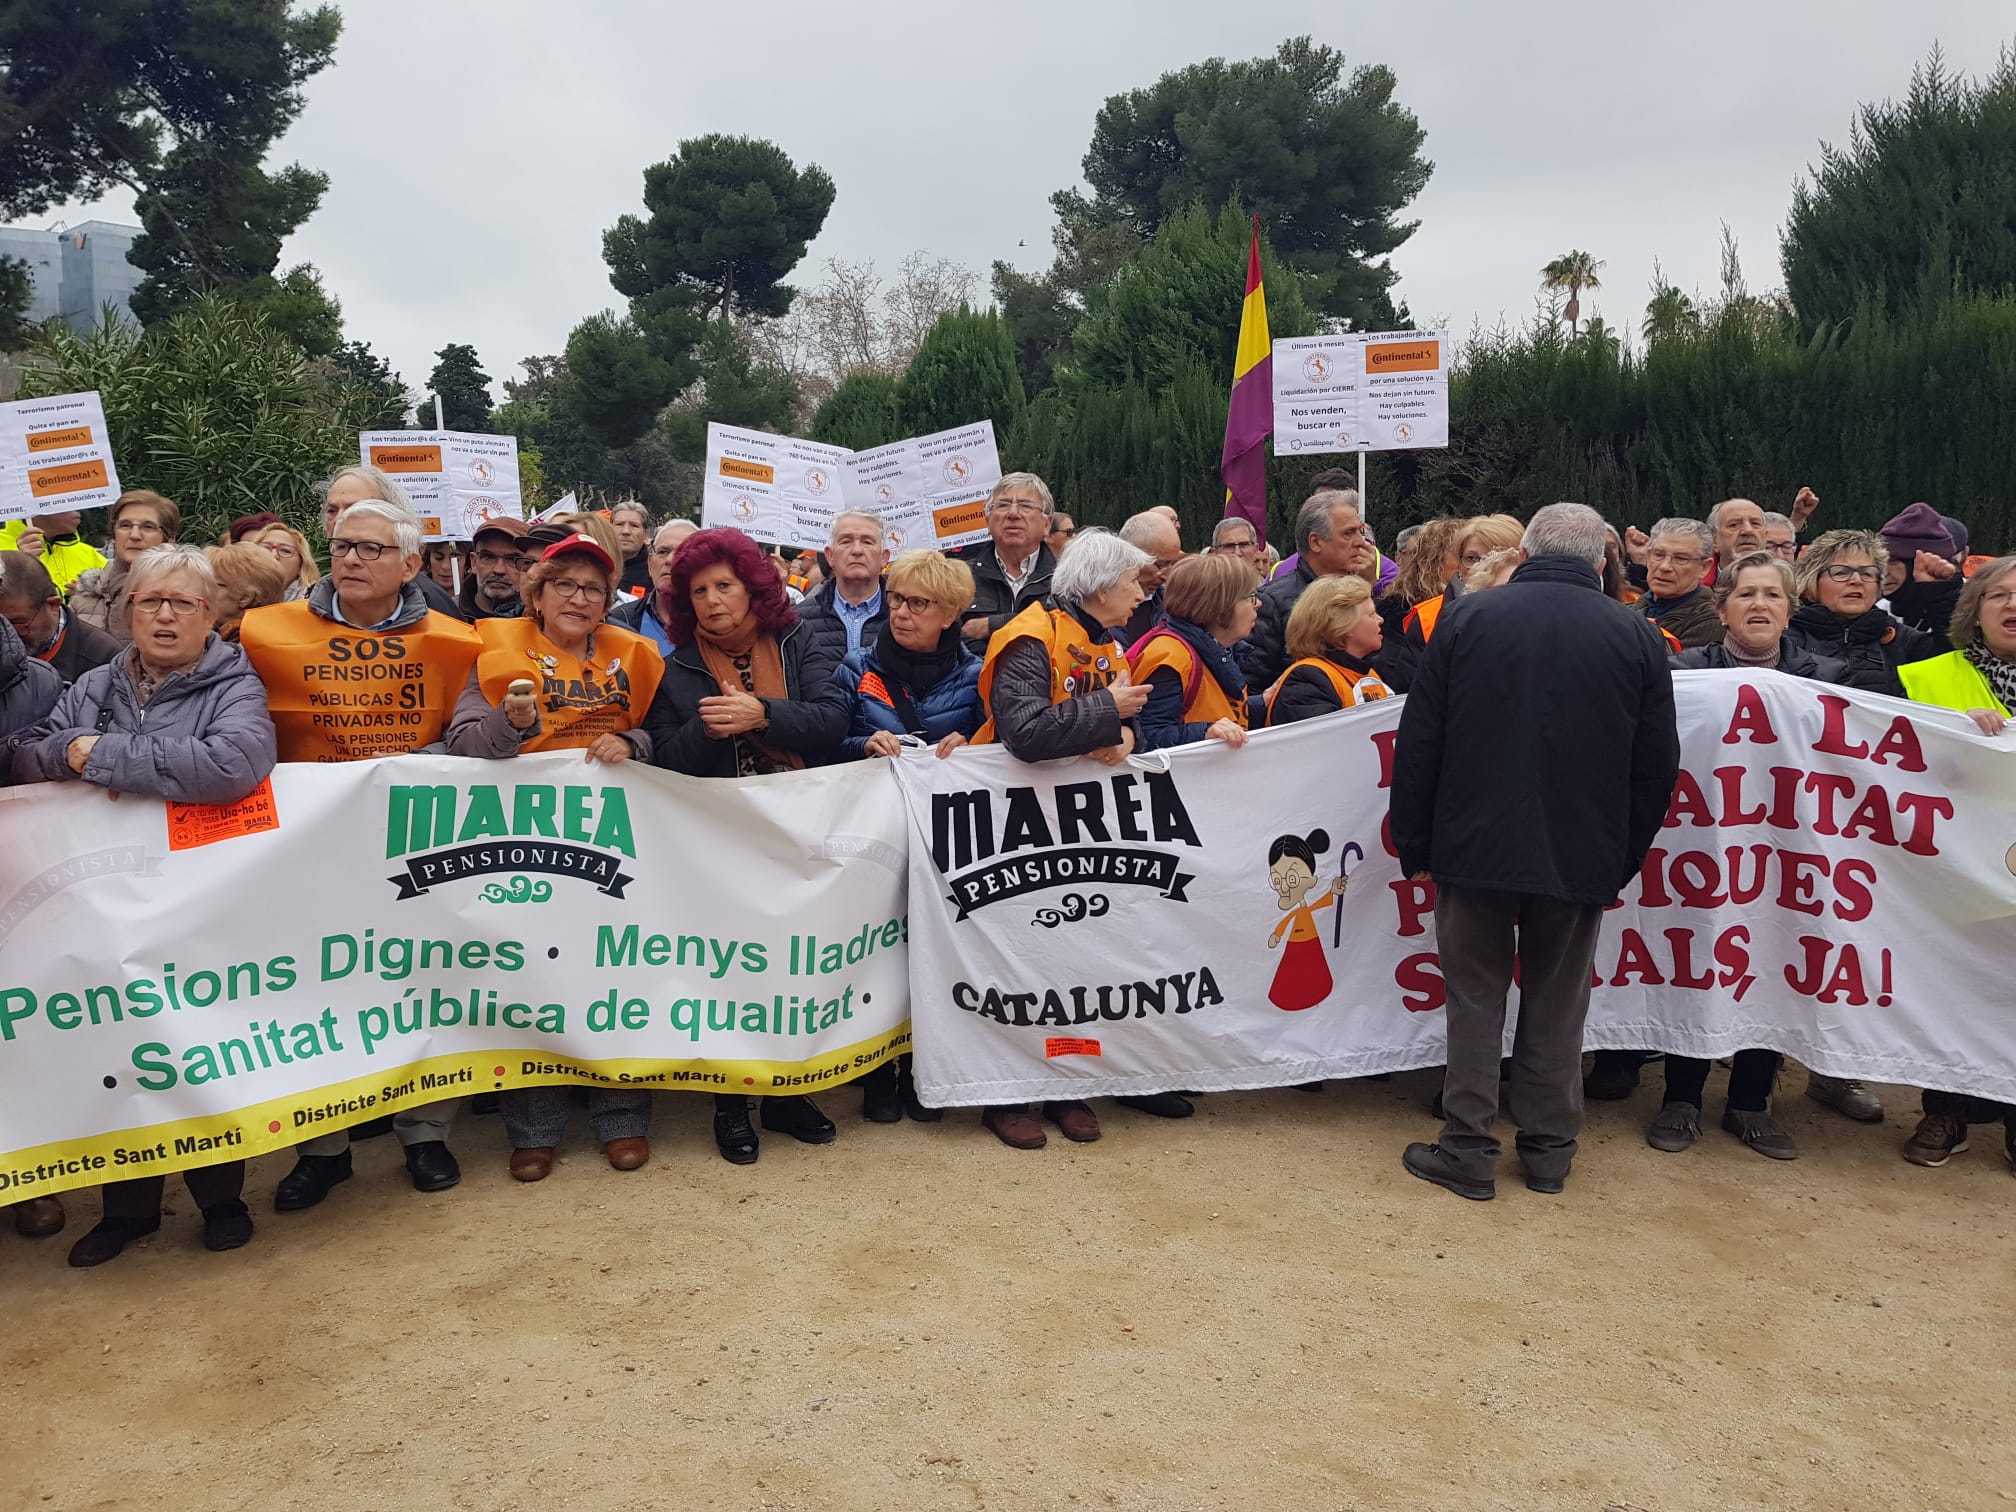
{"x": 1480, "y": 932}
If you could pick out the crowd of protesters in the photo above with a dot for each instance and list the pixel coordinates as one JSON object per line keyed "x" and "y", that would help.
{"x": 185, "y": 673}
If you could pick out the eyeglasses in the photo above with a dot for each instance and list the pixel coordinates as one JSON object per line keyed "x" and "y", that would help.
{"x": 1014, "y": 506}
{"x": 569, "y": 589}
{"x": 1472, "y": 558}
{"x": 181, "y": 608}
{"x": 2001, "y": 598}
{"x": 1253, "y": 597}
{"x": 280, "y": 548}
{"x": 1673, "y": 558}
{"x": 364, "y": 551}
{"x": 139, "y": 527}
{"x": 1067, "y": 531}
{"x": 493, "y": 559}
{"x": 910, "y": 602}
{"x": 1840, "y": 572}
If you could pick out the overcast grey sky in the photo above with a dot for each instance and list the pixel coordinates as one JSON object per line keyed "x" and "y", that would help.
{"x": 476, "y": 149}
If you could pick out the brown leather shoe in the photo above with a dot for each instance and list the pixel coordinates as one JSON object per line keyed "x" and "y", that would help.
{"x": 1074, "y": 1121}
{"x": 1016, "y": 1127}
{"x": 38, "y": 1217}
{"x": 531, "y": 1165}
{"x": 627, "y": 1154}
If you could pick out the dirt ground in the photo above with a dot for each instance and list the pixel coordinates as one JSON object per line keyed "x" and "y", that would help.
{"x": 1255, "y": 1309}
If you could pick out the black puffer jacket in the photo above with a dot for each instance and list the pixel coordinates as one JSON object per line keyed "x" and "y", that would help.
{"x": 1928, "y": 606}
{"x": 991, "y": 594}
{"x": 811, "y": 721}
{"x": 1263, "y": 655}
{"x": 1538, "y": 748}
{"x": 1872, "y": 646}
{"x": 819, "y": 616}
{"x": 1793, "y": 661}
{"x": 1030, "y": 724}
{"x": 1307, "y": 694}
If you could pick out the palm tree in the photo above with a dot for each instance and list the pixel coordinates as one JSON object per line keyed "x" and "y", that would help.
{"x": 1669, "y": 313}
{"x": 1573, "y": 271}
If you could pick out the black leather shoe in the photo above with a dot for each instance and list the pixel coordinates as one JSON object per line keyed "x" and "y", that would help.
{"x": 1546, "y": 1185}
{"x": 800, "y": 1118}
{"x": 881, "y": 1102}
{"x": 735, "y": 1136}
{"x": 227, "y": 1226}
{"x": 106, "y": 1240}
{"x": 906, "y": 1086}
{"x": 432, "y": 1166}
{"x": 1160, "y": 1104}
{"x": 309, "y": 1182}
{"x": 1430, "y": 1163}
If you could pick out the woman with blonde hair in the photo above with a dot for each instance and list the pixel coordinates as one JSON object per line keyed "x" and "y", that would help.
{"x": 291, "y": 550}
{"x": 1333, "y": 634}
{"x": 247, "y": 578}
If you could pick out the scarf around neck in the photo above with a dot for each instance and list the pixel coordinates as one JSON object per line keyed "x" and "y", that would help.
{"x": 918, "y": 671}
{"x": 750, "y": 661}
{"x": 2001, "y": 674}
{"x": 1205, "y": 647}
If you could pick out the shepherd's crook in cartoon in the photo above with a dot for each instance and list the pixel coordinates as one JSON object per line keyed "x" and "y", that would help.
{"x": 1303, "y": 978}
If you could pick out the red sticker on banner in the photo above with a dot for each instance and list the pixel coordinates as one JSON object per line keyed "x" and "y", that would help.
{"x": 194, "y": 824}
{"x": 1052, "y": 1048}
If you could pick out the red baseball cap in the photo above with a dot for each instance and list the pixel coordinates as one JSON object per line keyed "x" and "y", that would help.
{"x": 580, "y": 545}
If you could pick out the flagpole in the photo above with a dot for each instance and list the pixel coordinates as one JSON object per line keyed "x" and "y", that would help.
{"x": 1363, "y": 514}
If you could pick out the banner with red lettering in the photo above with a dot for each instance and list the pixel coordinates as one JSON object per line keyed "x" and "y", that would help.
{"x": 1836, "y": 879}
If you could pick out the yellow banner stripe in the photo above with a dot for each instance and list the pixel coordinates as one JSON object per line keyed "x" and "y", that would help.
{"x": 282, "y": 1122}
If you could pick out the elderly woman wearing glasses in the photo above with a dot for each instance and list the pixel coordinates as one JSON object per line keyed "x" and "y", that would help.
{"x": 1840, "y": 577}
{"x": 140, "y": 521}
{"x": 179, "y": 716}
{"x": 562, "y": 679}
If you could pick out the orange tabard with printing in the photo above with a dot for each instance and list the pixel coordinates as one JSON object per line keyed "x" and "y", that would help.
{"x": 1204, "y": 701}
{"x": 1353, "y": 688}
{"x": 1078, "y": 665}
{"x": 605, "y": 694}
{"x": 342, "y": 694}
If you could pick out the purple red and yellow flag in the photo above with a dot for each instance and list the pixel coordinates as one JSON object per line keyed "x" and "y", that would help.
{"x": 1250, "y": 419}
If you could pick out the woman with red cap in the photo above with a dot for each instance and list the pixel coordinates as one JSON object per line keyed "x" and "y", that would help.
{"x": 560, "y": 679}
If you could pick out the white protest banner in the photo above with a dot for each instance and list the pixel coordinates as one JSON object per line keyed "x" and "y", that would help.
{"x": 1361, "y": 392}
{"x": 931, "y": 490}
{"x": 55, "y": 455}
{"x": 1834, "y": 880}
{"x": 181, "y": 985}
{"x": 458, "y": 479}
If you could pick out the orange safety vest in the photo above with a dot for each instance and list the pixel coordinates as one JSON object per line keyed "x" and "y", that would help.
{"x": 1353, "y": 688}
{"x": 1204, "y": 701}
{"x": 338, "y": 693}
{"x": 1424, "y": 614}
{"x": 578, "y": 700}
{"x": 1077, "y": 665}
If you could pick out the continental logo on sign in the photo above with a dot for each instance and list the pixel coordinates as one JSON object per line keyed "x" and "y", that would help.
{"x": 957, "y": 519}
{"x": 74, "y": 477}
{"x": 748, "y": 472}
{"x": 447, "y": 832}
{"x": 60, "y": 440}
{"x": 1402, "y": 356}
{"x": 406, "y": 459}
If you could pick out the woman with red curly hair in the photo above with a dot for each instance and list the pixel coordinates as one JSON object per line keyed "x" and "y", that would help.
{"x": 748, "y": 691}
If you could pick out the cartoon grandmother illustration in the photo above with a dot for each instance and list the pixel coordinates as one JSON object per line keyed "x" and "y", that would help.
{"x": 1302, "y": 980}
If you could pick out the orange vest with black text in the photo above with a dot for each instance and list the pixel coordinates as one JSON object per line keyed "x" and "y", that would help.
{"x": 1078, "y": 665}
{"x": 605, "y": 693}
{"x": 338, "y": 693}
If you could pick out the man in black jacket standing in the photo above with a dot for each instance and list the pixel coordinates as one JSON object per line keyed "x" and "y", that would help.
{"x": 1535, "y": 762}
{"x": 1330, "y": 539}
{"x": 1012, "y": 569}
{"x": 846, "y": 611}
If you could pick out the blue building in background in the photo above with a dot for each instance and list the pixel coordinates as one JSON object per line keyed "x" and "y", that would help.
{"x": 76, "y": 270}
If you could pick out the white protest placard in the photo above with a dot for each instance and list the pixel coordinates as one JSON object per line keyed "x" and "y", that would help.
{"x": 931, "y": 490}
{"x": 55, "y": 455}
{"x": 1361, "y": 392}
{"x": 458, "y": 479}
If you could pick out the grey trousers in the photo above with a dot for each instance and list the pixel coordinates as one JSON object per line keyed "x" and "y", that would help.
{"x": 430, "y": 1121}
{"x": 535, "y": 1118}
{"x": 1480, "y": 932}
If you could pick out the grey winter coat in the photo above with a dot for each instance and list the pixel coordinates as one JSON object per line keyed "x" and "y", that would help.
{"x": 204, "y": 737}
{"x": 28, "y": 691}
